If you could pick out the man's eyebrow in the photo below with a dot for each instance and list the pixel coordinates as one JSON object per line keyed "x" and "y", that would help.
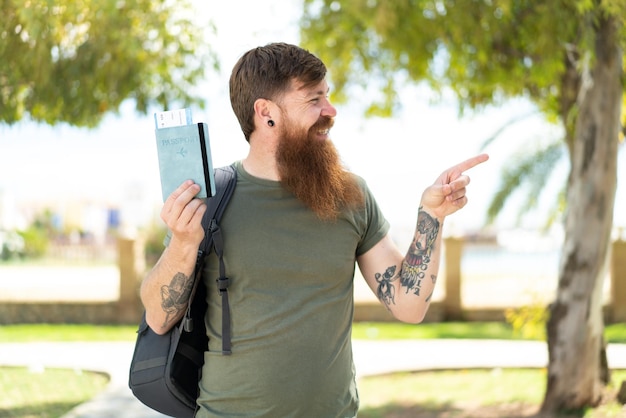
{"x": 319, "y": 92}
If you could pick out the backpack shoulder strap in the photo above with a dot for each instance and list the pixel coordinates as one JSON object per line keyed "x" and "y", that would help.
{"x": 225, "y": 182}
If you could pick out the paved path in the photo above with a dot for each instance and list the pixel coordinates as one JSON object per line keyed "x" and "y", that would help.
{"x": 371, "y": 358}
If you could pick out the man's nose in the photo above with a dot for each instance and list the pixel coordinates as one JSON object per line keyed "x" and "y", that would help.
{"x": 329, "y": 110}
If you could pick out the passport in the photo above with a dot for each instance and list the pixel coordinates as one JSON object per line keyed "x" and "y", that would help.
{"x": 184, "y": 152}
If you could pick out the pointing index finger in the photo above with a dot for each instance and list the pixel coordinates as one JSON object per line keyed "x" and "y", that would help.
{"x": 471, "y": 162}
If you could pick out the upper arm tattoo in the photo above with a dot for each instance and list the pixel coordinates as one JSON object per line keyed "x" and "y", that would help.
{"x": 175, "y": 296}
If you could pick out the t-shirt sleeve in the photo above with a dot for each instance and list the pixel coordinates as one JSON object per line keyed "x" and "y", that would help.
{"x": 375, "y": 224}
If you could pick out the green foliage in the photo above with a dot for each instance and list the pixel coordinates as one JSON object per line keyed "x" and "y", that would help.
{"x": 38, "y": 235}
{"x": 11, "y": 245}
{"x": 36, "y": 242}
{"x": 529, "y": 322}
{"x": 74, "y": 61}
{"x": 154, "y": 236}
{"x": 485, "y": 51}
{"x": 531, "y": 169}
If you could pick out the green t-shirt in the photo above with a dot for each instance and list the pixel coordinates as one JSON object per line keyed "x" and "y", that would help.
{"x": 291, "y": 300}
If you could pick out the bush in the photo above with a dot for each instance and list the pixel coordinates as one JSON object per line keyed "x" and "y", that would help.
{"x": 36, "y": 242}
{"x": 528, "y": 321}
{"x": 154, "y": 243}
{"x": 11, "y": 245}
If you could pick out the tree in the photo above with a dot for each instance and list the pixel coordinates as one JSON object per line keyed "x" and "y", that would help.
{"x": 565, "y": 56}
{"x": 74, "y": 61}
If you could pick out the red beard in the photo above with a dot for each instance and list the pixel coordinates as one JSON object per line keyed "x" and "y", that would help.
{"x": 312, "y": 170}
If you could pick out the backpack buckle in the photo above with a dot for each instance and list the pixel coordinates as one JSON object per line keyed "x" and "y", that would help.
{"x": 222, "y": 284}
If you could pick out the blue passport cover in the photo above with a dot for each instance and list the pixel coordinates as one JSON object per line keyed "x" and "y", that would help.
{"x": 184, "y": 153}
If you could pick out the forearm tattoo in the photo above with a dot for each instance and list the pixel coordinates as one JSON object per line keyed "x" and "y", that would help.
{"x": 174, "y": 297}
{"x": 386, "y": 290}
{"x": 415, "y": 263}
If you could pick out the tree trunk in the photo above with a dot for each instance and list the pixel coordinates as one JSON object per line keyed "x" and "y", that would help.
{"x": 575, "y": 328}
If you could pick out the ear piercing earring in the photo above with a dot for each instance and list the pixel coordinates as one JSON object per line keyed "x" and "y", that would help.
{"x": 270, "y": 123}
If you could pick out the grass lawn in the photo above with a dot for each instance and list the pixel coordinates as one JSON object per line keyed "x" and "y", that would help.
{"x": 45, "y": 393}
{"x": 615, "y": 333}
{"x": 66, "y": 332}
{"x": 488, "y": 393}
{"x": 498, "y": 393}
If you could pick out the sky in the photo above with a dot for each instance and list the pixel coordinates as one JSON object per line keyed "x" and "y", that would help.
{"x": 398, "y": 157}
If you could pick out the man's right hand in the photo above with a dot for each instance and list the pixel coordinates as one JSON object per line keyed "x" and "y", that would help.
{"x": 182, "y": 213}
{"x": 165, "y": 289}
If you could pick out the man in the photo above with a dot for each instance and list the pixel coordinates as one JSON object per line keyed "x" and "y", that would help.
{"x": 293, "y": 230}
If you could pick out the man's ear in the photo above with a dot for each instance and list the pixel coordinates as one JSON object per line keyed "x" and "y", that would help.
{"x": 263, "y": 110}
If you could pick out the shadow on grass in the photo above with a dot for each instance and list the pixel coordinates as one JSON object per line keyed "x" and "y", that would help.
{"x": 449, "y": 410}
{"x": 43, "y": 410}
{"x": 399, "y": 410}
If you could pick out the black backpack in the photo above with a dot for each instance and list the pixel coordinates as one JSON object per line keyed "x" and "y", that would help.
{"x": 165, "y": 369}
